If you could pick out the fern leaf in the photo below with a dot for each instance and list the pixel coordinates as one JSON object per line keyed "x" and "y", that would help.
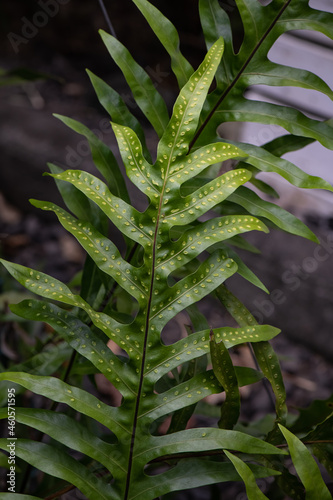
{"x": 100, "y": 248}
{"x": 59, "y": 464}
{"x": 117, "y": 108}
{"x": 102, "y": 156}
{"x": 45, "y": 362}
{"x": 266, "y": 357}
{"x": 137, "y": 167}
{"x": 206, "y": 197}
{"x": 226, "y": 375}
{"x": 306, "y": 467}
{"x": 242, "y": 269}
{"x": 203, "y": 236}
{"x": 79, "y": 204}
{"x": 82, "y": 339}
{"x": 169, "y": 38}
{"x": 145, "y": 93}
{"x": 70, "y": 433}
{"x": 76, "y": 398}
{"x": 118, "y": 211}
{"x": 266, "y": 162}
{"x": 262, "y": 26}
{"x": 252, "y": 490}
{"x": 202, "y": 472}
{"x": 280, "y": 217}
{"x": 18, "y": 496}
{"x": 172, "y": 272}
{"x": 169, "y": 357}
{"x": 191, "y": 440}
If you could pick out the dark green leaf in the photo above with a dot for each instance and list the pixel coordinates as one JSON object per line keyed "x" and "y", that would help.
{"x": 168, "y": 36}
{"x": 306, "y": 468}
{"x": 145, "y": 94}
{"x": 226, "y": 375}
{"x": 102, "y": 156}
{"x": 252, "y": 490}
{"x": 56, "y": 463}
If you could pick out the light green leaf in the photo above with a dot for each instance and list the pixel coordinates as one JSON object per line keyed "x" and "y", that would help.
{"x": 214, "y": 271}
{"x": 204, "y": 235}
{"x": 181, "y": 128}
{"x": 197, "y": 344}
{"x": 252, "y": 490}
{"x": 249, "y": 200}
{"x": 101, "y": 249}
{"x": 138, "y": 169}
{"x": 203, "y": 199}
{"x": 79, "y": 204}
{"x": 194, "y": 163}
{"x": 46, "y": 286}
{"x": 306, "y": 468}
{"x": 115, "y": 208}
{"x": 83, "y": 340}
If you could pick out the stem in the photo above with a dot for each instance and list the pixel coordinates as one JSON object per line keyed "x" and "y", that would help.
{"x": 265, "y": 382}
{"x": 238, "y": 76}
{"x": 71, "y": 487}
{"x": 107, "y": 18}
{"x": 179, "y": 456}
{"x": 145, "y": 341}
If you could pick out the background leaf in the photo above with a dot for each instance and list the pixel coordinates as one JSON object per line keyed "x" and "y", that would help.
{"x": 306, "y": 467}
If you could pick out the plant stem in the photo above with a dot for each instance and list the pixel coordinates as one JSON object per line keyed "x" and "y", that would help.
{"x": 107, "y": 18}
{"x": 238, "y": 76}
{"x": 265, "y": 382}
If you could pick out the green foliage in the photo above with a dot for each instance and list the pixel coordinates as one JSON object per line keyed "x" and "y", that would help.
{"x": 177, "y": 253}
